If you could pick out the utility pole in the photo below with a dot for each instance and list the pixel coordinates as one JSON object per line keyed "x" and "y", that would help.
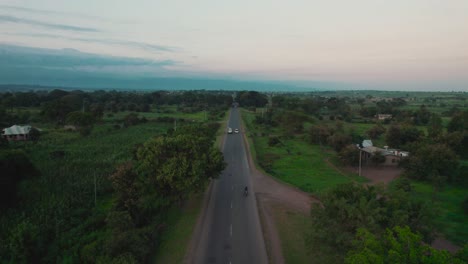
{"x": 360, "y": 158}
{"x": 95, "y": 190}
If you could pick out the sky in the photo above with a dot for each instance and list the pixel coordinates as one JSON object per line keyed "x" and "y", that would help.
{"x": 374, "y": 44}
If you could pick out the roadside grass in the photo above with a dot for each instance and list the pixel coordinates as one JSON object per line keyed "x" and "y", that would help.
{"x": 291, "y": 226}
{"x": 450, "y": 219}
{"x": 309, "y": 167}
{"x": 180, "y": 225}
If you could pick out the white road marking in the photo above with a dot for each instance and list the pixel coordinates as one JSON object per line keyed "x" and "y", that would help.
{"x": 231, "y": 205}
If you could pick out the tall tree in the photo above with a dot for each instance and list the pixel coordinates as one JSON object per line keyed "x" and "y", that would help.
{"x": 170, "y": 168}
{"x": 435, "y": 127}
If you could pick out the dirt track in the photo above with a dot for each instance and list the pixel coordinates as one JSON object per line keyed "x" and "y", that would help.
{"x": 270, "y": 193}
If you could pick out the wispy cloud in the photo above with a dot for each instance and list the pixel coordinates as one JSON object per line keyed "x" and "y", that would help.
{"x": 134, "y": 44}
{"x": 13, "y": 19}
{"x": 48, "y": 12}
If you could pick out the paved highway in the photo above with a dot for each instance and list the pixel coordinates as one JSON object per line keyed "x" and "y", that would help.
{"x": 231, "y": 231}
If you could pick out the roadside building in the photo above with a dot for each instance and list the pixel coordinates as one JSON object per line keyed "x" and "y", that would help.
{"x": 384, "y": 116}
{"x": 16, "y": 133}
{"x": 392, "y": 156}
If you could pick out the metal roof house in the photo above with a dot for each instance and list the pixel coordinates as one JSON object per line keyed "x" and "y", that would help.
{"x": 392, "y": 156}
{"x": 16, "y": 133}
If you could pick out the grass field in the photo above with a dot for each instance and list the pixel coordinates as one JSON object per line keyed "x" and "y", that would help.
{"x": 291, "y": 228}
{"x": 450, "y": 218}
{"x": 309, "y": 167}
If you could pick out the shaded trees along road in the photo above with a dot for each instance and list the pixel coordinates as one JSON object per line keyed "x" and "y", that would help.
{"x": 231, "y": 231}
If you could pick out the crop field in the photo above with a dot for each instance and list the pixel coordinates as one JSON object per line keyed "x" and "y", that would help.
{"x": 164, "y": 111}
{"x": 73, "y": 182}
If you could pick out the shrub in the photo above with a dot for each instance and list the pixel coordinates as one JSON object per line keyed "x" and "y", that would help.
{"x": 273, "y": 141}
{"x": 465, "y": 205}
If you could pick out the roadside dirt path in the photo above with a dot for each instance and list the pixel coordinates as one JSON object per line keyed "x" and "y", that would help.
{"x": 270, "y": 194}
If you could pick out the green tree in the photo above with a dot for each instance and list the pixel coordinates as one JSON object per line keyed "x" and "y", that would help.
{"x": 348, "y": 207}
{"x": 170, "y": 168}
{"x": 397, "y": 245}
{"x": 23, "y": 243}
{"x": 15, "y": 167}
{"x": 34, "y": 134}
{"x": 400, "y": 135}
{"x": 422, "y": 116}
{"x": 459, "y": 122}
{"x": 123, "y": 181}
{"x": 344, "y": 209}
{"x": 349, "y": 155}
{"x": 252, "y": 98}
{"x": 434, "y": 127}
{"x": 376, "y": 131}
{"x": 83, "y": 121}
{"x": 339, "y": 140}
{"x": 431, "y": 162}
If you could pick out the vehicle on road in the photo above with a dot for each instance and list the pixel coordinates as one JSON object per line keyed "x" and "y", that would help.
{"x": 246, "y": 191}
{"x": 229, "y": 130}
{"x": 236, "y": 130}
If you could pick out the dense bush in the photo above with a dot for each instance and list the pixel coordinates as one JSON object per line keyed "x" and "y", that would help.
{"x": 15, "y": 167}
{"x": 346, "y": 208}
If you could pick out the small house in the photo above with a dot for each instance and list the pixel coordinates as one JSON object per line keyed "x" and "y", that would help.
{"x": 384, "y": 116}
{"x": 16, "y": 133}
{"x": 392, "y": 156}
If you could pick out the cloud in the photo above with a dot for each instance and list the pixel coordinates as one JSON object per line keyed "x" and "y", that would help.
{"x": 12, "y": 19}
{"x": 21, "y": 57}
{"x": 48, "y": 12}
{"x": 134, "y": 44}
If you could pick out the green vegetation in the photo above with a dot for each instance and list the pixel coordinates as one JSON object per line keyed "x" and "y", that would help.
{"x": 451, "y": 218}
{"x": 291, "y": 228}
{"x": 397, "y": 245}
{"x": 305, "y": 140}
{"x": 308, "y": 167}
{"x": 87, "y": 203}
{"x": 175, "y": 239}
{"x": 371, "y": 225}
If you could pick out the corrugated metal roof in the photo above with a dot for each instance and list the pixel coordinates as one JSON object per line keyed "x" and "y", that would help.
{"x": 17, "y": 130}
{"x": 367, "y": 143}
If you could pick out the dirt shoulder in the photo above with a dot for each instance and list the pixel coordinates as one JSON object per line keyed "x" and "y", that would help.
{"x": 270, "y": 194}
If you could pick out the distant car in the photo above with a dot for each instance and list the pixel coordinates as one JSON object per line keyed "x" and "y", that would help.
{"x": 229, "y": 130}
{"x": 236, "y": 130}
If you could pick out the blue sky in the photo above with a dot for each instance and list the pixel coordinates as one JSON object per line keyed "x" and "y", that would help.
{"x": 399, "y": 44}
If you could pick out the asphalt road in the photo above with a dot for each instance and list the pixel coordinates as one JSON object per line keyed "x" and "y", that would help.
{"x": 231, "y": 231}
